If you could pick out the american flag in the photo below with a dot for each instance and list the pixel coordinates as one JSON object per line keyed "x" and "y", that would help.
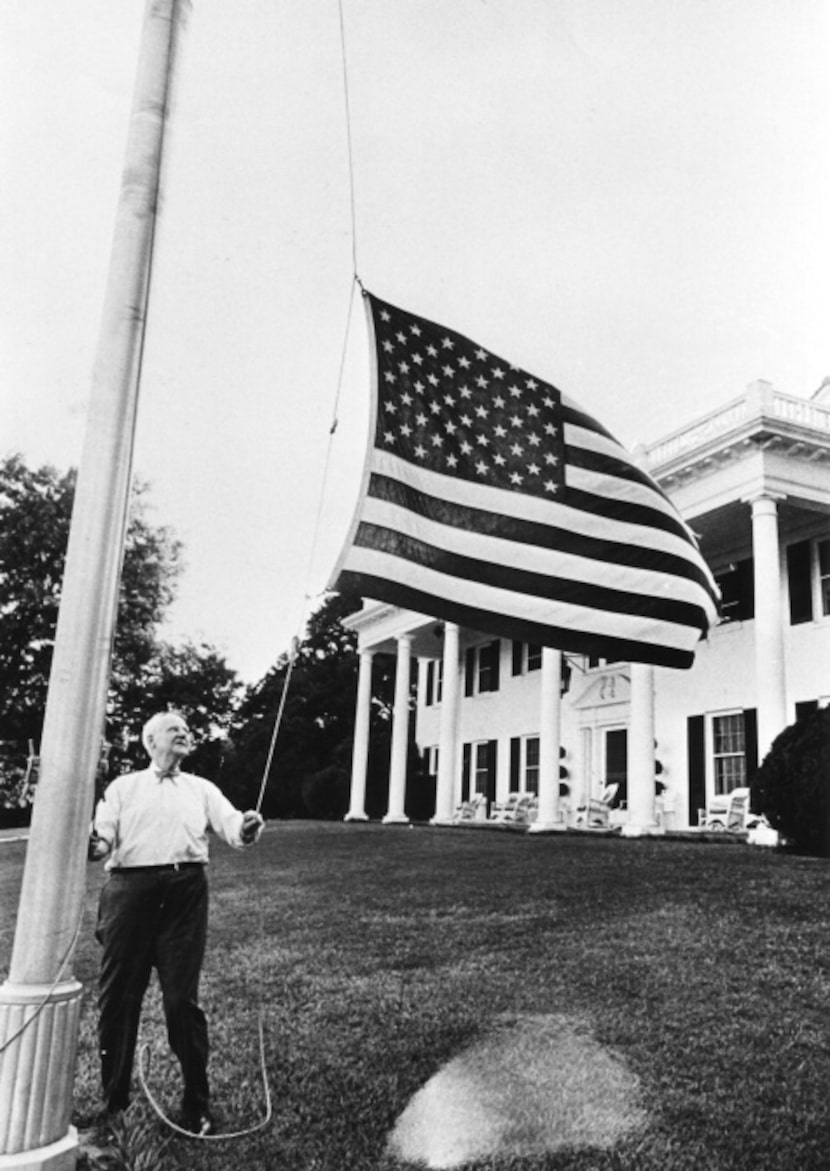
{"x": 492, "y": 501}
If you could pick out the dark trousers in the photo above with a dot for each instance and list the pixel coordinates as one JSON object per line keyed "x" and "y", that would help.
{"x": 152, "y": 919}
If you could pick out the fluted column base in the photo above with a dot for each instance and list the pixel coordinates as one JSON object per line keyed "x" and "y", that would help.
{"x": 37, "y": 1071}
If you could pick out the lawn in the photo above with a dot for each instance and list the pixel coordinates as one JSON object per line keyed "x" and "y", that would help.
{"x": 379, "y": 954}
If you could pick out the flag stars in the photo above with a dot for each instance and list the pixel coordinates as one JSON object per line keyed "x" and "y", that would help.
{"x": 453, "y": 407}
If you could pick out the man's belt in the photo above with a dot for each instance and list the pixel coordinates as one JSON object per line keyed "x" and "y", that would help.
{"x": 157, "y": 869}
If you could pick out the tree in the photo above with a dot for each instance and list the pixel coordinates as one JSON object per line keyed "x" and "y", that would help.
{"x": 192, "y": 679}
{"x": 792, "y": 786}
{"x": 146, "y": 675}
{"x": 35, "y": 509}
{"x": 311, "y": 762}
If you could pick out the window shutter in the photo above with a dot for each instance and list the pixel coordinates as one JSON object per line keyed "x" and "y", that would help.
{"x": 799, "y": 580}
{"x": 696, "y": 749}
{"x": 492, "y": 756}
{"x": 806, "y": 708}
{"x": 495, "y": 659}
{"x": 469, "y": 670}
{"x": 515, "y": 762}
{"x": 466, "y": 758}
{"x": 430, "y": 682}
{"x": 517, "y": 657}
{"x": 751, "y": 743}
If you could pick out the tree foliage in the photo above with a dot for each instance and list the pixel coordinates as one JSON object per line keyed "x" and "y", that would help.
{"x": 792, "y": 786}
{"x": 311, "y": 764}
{"x": 147, "y": 674}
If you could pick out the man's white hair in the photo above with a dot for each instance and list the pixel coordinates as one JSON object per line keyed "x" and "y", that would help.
{"x": 150, "y": 728}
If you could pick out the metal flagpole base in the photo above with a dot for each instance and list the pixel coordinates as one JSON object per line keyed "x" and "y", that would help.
{"x": 39, "y": 1027}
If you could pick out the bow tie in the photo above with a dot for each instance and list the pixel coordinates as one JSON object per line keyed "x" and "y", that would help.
{"x": 172, "y": 773}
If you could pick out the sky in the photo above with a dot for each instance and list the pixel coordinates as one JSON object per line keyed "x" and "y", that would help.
{"x": 625, "y": 197}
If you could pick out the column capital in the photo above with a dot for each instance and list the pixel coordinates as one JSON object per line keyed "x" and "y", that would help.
{"x": 763, "y": 496}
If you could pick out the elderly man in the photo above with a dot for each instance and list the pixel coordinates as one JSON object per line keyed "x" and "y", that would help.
{"x": 152, "y": 828}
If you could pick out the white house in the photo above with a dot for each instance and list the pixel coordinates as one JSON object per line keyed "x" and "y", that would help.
{"x": 495, "y": 717}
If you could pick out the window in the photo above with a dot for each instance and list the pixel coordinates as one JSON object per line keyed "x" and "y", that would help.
{"x": 481, "y": 668}
{"x": 824, "y": 575}
{"x": 431, "y": 760}
{"x": 728, "y": 752}
{"x": 478, "y": 775}
{"x": 737, "y": 587}
{"x": 527, "y": 656}
{"x": 531, "y": 769}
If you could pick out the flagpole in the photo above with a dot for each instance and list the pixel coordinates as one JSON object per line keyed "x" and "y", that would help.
{"x": 40, "y": 1001}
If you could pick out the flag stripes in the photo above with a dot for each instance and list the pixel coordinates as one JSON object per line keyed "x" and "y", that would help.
{"x": 492, "y": 500}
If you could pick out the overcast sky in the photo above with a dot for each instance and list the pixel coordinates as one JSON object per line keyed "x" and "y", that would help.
{"x": 626, "y": 197}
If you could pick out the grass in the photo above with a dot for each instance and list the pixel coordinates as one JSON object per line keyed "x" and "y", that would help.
{"x": 380, "y": 954}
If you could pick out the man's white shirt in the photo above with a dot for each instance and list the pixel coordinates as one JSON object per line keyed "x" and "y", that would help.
{"x": 153, "y": 819}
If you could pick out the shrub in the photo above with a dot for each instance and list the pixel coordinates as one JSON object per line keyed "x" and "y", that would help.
{"x": 792, "y": 786}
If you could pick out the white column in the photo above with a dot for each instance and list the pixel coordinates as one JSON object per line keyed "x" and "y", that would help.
{"x": 400, "y": 735}
{"x": 550, "y": 737}
{"x": 770, "y": 683}
{"x": 37, "y": 1055}
{"x": 641, "y": 791}
{"x": 447, "y": 749}
{"x": 360, "y": 748}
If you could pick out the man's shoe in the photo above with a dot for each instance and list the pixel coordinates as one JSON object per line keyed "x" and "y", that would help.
{"x": 199, "y": 1123}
